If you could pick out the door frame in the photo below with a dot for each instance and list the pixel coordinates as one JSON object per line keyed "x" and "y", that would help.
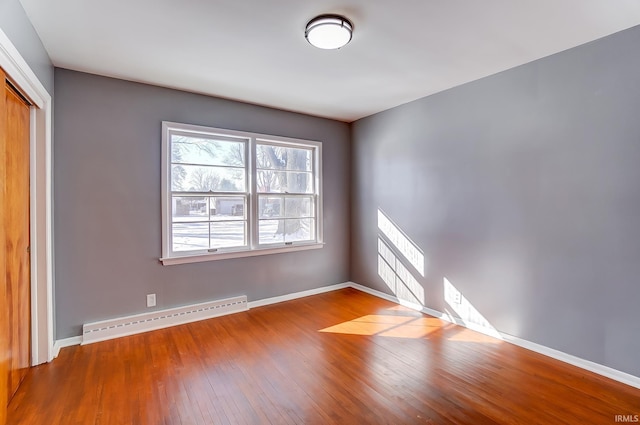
{"x": 41, "y": 220}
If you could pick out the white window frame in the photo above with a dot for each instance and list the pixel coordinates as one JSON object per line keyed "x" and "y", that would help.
{"x": 253, "y": 248}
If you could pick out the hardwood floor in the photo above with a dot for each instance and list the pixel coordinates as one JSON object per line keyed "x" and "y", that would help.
{"x": 343, "y": 357}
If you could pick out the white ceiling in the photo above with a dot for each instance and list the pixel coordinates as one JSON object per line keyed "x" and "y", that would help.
{"x": 255, "y": 51}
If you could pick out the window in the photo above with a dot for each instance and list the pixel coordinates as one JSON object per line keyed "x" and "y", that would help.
{"x": 231, "y": 194}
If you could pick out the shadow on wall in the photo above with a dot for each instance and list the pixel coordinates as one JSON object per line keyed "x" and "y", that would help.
{"x": 401, "y": 263}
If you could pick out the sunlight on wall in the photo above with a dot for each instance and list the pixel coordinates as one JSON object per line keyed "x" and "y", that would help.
{"x": 401, "y": 242}
{"x": 466, "y": 312}
{"x": 397, "y": 277}
{"x": 394, "y": 249}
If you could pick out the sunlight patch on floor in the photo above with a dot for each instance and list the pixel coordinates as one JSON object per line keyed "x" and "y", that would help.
{"x": 467, "y": 335}
{"x": 406, "y": 323}
{"x": 393, "y": 326}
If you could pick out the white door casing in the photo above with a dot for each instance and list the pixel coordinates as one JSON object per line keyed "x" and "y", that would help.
{"x": 41, "y": 168}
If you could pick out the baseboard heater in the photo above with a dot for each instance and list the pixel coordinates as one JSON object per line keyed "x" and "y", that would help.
{"x": 129, "y": 325}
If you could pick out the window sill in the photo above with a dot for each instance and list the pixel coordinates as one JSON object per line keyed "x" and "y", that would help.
{"x": 170, "y": 261}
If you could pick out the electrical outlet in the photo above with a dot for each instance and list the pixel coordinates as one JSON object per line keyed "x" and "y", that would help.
{"x": 151, "y": 300}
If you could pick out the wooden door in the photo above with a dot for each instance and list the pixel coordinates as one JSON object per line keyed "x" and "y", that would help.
{"x": 4, "y": 317}
{"x": 15, "y": 205}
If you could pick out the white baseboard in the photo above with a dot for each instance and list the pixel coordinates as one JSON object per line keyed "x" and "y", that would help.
{"x": 66, "y": 342}
{"x": 296, "y": 295}
{"x": 597, "y": 368}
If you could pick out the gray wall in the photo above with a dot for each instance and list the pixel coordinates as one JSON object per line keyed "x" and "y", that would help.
{"x": 16, "y": 25}
{"x": 523, "y": 190}
{"x": 107, "y": 204}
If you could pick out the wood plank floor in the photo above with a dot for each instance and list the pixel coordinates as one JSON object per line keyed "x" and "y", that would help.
{"x": 342, "y": 357}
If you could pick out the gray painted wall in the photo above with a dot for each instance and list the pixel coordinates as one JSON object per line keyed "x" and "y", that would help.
{"x": 107, "y": 204}
{"x": 523, "y": 190}
{"x": 16, "y": 25}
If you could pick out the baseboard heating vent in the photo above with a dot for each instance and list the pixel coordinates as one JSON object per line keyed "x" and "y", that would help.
{"x": 129, "y": 325}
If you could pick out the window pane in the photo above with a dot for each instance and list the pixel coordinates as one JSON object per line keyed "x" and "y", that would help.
{"x": 269, "y": 231}
{"x": 298, "y": 206}
{"x": 225, "y": 234}
{"x": 195, "y": 178}
{"x": 269, "y": 181}
{"x": 283, "y": 158}
{"x": 301, "y": 229}
{"x": 270, "y": 206}
{"x": 190, "y": 236}
{"x": 190, "y": 208}
{"x": 196, "y": 150}
{"x": 227, "y": 208}
{"x": 287, "y": 230}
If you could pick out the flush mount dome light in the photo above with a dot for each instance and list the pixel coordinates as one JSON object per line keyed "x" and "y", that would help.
{"x": 329, "y": 31}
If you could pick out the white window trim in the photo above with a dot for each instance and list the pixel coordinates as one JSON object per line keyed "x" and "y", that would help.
{"x": 254, "y": 248}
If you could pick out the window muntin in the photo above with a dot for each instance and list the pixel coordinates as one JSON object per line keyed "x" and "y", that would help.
{"x": 236, "y": 192}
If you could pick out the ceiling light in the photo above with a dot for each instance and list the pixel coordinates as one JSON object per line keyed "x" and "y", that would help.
{"x": 328, "y": 31}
